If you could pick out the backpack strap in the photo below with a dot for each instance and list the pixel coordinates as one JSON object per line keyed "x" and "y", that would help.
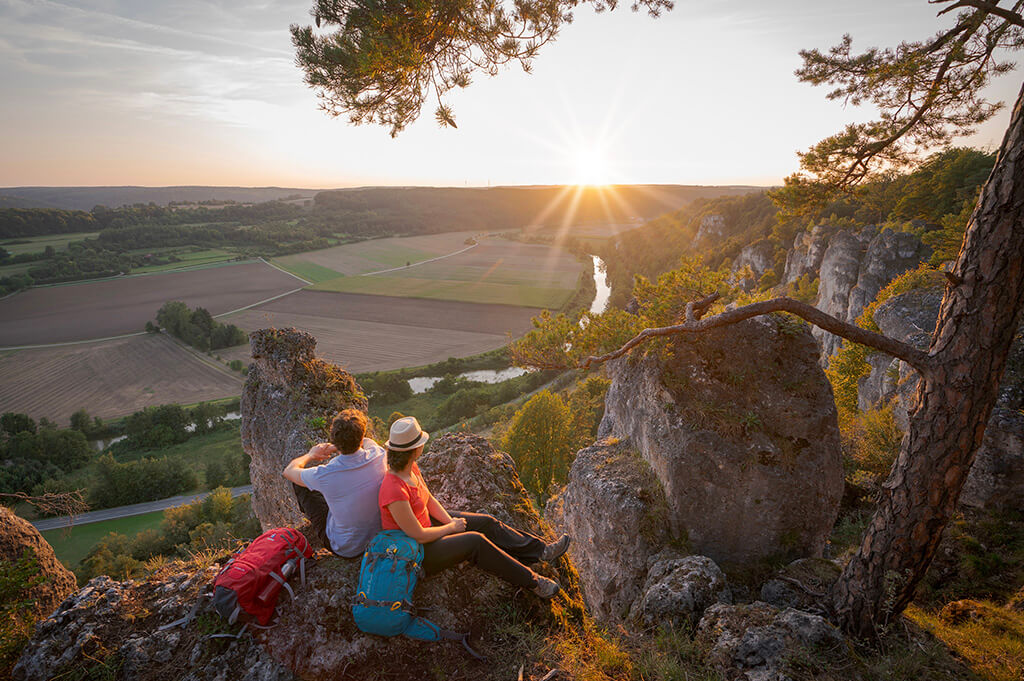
{"x": 403, "y": 605}
{"x": 449, "y": 635}
{"x": 283, "y": 582}
{"x": 183, "y": 621}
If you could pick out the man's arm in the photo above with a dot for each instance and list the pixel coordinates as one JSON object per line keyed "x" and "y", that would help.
{"x": 319, "y": 453}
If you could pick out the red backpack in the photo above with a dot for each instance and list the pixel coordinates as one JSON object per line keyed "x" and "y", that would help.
{"x": 248, "y": 585}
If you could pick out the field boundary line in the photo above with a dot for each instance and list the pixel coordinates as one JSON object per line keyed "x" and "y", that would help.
{"x": 127, "y": 511}
{"x": 78, "y": 342}
{"x": 262, "y": 302}
{"x": 421, "y": 262}
{"x": 276, "y": 267}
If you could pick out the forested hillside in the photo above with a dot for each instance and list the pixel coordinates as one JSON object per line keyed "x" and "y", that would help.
{"x": 933, "y": 202}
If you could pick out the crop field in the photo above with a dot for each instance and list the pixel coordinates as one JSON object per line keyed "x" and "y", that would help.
{"x": 102, "y": 309}
{"x": 372, "y": 255}
{"x": 496, "y": 271}
{"x": 110, "y": 378}
{"x": 371, "y": 333}
{"x": 38, "y": 244}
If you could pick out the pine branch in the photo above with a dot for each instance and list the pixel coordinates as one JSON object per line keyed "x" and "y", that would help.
{"x": 918, "y": 359}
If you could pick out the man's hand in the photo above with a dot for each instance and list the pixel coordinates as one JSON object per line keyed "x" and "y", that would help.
{"x": 322, "y": 452}
{"x": 317, "y": 454}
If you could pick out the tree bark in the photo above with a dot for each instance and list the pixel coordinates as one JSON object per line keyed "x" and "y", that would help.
{"x": 958, "y": 388}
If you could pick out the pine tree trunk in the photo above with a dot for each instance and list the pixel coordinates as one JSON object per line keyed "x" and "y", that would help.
{"x": 954, "y": 399}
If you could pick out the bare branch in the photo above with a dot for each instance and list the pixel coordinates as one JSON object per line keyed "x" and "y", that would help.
{"x": 989, "y": 7}
{"x": 916, "y": 358}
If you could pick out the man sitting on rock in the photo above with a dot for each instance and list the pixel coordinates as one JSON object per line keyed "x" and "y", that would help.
{"x": 340, "y": 497}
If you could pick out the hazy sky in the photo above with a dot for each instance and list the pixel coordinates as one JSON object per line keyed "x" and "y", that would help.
{"x": 104, "y": 92}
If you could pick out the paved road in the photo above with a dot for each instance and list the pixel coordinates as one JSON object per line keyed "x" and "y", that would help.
{"x": 126, "y": 511}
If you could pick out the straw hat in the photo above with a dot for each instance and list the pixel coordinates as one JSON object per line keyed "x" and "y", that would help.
{"x": 406, "y": 434}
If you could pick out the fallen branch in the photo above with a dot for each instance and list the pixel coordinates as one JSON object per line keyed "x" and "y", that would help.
{"x": 918, "y": 359}
{"x": 53, "y": 503}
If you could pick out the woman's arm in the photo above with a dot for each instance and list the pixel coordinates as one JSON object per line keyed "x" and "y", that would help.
{"x": 437, "y": 511}
{"x": 401, "y": 511}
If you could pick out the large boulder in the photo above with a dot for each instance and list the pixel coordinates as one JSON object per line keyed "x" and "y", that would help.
{"x": 288, "y": 400}
{"x": 739, "y": 426}
{"x": 20, "y": 541}
{"x": 615, "y": 510}
{"x": 117, "y": 623}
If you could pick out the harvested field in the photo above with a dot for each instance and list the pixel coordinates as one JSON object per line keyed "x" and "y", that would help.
{"x": 496, "y": 271}
{"x": 120, "y": 306}
{"x": 371, "y": 333}
{"x": 372, "y": 255}
{"x": 108, "y": 379}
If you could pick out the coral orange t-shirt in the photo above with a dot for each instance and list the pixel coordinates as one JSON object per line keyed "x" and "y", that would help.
{"x": 393, "y": 489}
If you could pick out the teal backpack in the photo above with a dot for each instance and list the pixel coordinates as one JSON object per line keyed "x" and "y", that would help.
{"x": 383, "y": 604}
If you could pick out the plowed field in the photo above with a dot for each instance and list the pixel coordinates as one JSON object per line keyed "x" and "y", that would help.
{"x": 107, "y": 379}
{"x": 370, "y": 333}
{"x": 114, "y": 307}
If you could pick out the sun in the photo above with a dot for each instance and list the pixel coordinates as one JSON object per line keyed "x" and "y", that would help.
{"x": 591, "y": 167}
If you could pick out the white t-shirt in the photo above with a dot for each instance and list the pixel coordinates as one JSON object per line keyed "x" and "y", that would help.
{"x": 350, "y": 483}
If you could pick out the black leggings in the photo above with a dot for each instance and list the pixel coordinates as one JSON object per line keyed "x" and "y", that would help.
{"x": 489, "y": 544}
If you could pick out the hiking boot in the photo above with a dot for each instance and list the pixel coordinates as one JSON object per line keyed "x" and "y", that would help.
{"x": 546, "y": 588}
{"x": 555, "y": 549}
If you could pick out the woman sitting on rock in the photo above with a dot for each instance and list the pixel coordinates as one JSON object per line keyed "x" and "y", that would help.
{"x": 454, "y": 537}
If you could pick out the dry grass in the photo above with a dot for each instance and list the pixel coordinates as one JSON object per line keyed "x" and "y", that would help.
{"x": 990, "y": 639}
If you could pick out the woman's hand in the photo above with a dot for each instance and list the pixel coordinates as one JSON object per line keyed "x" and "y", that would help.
{"x": 457, "y": 525}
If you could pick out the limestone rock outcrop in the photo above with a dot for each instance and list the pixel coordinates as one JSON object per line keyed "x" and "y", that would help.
{"x": 806, "y": 253}
{"x": 316, "y": 637}
{"x": 855, "y": 267}
{"x": 758, "y": 256}
{"x": 288, "y": 400}
{"x": 852, "y": 266}
{"x": 739, "y": 426}
{"x": 996, "y": 479}
{"x": 17, "y": 536}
